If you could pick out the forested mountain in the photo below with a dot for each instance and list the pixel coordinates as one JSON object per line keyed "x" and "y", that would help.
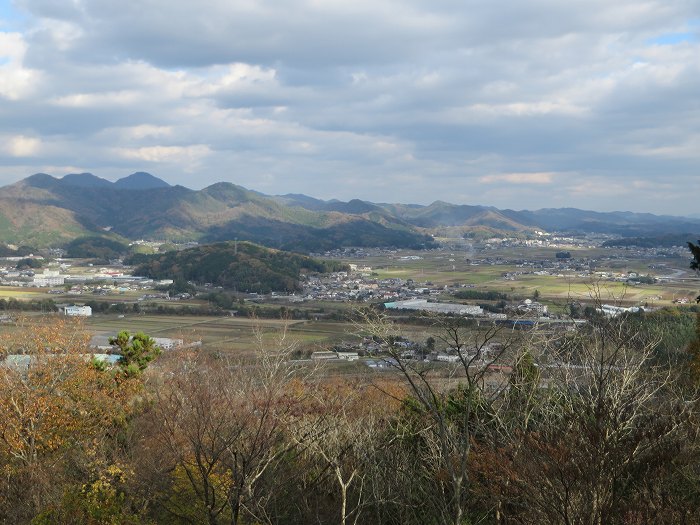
{"x": 239, "y": 265}
{"x": 658, "y": 241}
{"x": 442, "y": 214}
{"x": 42, "y": 210}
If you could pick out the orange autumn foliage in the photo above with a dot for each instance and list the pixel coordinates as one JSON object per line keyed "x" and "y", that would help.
{"x": 51, "y": 395}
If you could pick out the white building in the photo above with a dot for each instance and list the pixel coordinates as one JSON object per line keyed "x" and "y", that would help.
{"x": 447, "y": 358}
{"x": 48, "y": 278}
{"x": 533, "y": 306}
{"x": 613, "y": 311}
{"x": 323, "y": 355}
{"x": 78, "y": 311}
{"x": 40, "y": 281}
{"x": 441, "y": 308}
{"x": 165, "y": 343}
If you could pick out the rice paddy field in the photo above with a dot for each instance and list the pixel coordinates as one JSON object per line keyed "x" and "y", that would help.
{"x": 487, "y": 271}
{"x": 221, "y": 333}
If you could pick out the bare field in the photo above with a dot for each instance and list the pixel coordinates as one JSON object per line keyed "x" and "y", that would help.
{"x": 222, "y": 333}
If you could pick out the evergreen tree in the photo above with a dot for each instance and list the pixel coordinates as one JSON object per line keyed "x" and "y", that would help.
{"x": 136, "y": 351}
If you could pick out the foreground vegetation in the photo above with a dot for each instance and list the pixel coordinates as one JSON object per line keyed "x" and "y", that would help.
{"x": 594, "y": 426}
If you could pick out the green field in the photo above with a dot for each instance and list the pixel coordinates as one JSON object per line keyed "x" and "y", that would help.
{"x": 9, "y": 292}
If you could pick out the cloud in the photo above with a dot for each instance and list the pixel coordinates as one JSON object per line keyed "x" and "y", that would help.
{"x": 21, "y": 146}
{"x": 519, "y": 178}
{"x": 190, "y": 156}
{"x": 409, "y": 101}
{"x": 16, "y": 80}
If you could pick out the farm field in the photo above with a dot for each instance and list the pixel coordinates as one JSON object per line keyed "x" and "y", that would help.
{"x": 224, "y": 334}
{"x": 11, "y": 292}
{"x": 485, "y": 270}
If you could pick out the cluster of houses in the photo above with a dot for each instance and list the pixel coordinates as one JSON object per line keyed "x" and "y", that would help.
{"x": 361, "y": 286}
{"x": 92, "y": 280}
{"x": 399, "y": 294}
{"x": 377, "y": 355}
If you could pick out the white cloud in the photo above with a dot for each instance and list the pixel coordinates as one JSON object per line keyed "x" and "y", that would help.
{"x": 408, "y": 101}
{"x": 88, "y": 100}
{"x": 189, "y": 156}
{"x": 21, "y": 146}
{"x": 16, "y": 81}
{"x": 519, "y": 178}
{"x": 146, "y": 130}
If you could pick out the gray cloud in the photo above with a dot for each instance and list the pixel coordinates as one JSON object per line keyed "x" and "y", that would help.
{"x": 589, "y": 103}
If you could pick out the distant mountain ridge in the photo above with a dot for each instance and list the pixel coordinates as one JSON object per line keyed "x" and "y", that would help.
{"x": 43, "y": 210}
{"x": 136, "y": 181}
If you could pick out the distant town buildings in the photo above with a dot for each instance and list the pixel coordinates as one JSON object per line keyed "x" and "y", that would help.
{"x": 530, "y": 306}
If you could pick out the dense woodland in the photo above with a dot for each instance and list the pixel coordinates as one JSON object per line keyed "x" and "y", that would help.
{"x": 96, "y": 248}
{"x": 593, "y": 426}
{"x": 243, "y": 266}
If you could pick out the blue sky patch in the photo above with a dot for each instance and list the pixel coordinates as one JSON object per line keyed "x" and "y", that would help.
{"x": 671, "y": 39}
{"x": 10, "y": 18}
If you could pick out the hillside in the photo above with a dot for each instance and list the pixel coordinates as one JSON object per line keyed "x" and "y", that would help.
{"x": 42, "y": 210}
{"x": 140, "y": 181}
{"x": 242, "y": 266}
{"x": 24, "y": 222}
{"x": 469, "y": 218}
{"x": 45, "y": 210}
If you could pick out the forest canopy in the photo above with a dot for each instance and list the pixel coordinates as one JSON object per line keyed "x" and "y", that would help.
{"x": 243, "y": 266}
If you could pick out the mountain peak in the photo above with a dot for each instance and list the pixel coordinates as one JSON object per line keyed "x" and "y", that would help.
{"x": 140, "y": 181}
{"x": 84, "y": 180}
{"x": 40, "y": 180}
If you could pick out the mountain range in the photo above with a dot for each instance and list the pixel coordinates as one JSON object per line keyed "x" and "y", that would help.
{"x": 43, "y": 210}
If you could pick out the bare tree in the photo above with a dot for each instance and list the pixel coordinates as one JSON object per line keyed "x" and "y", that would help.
{"x": 219, "y": 428}
{"x": 452, "y": 406}
{"x": 348, "y": 419}
{"x": 602, "y": 433}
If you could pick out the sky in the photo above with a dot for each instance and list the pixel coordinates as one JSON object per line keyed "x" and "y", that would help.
{"x": 521, "y": 104}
